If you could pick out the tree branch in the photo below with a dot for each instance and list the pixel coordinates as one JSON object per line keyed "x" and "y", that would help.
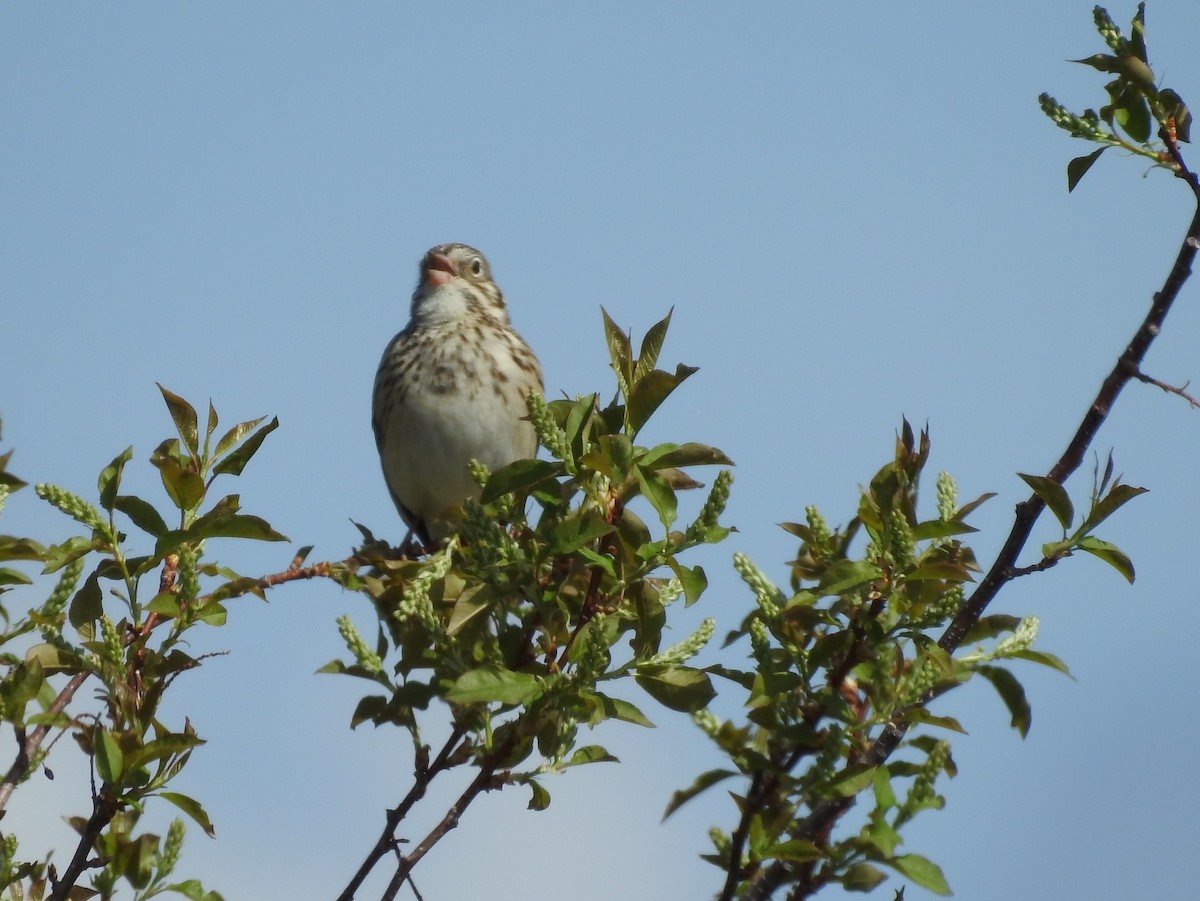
{"x": 28, "y": 747}
{"x": 1004, "y": 568}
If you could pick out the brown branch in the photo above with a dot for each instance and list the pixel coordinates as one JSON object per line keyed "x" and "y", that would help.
{"x": 28, "y": 745}
{"x": 1005, "y": 568}
{"x": 387, "y": 841}
{"x": 1170, "y": 389}
{"x": 104, "y": 808}
{"x": 485, "y": 780}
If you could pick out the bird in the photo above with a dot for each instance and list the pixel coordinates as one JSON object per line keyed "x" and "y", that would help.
{"x": 451, "y": 387}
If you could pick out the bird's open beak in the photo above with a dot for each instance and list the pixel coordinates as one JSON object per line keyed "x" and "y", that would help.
{"x": 436, "y": 269}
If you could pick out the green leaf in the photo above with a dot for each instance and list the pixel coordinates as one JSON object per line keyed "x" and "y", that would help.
{"x": 237, "y": 460}
{"x": 650, "y": 391}
{"x": 660, "y": 495}
{"x": 1110, "y": 554}
{"x": 540, "y": 798}
{"x": 235, "y": 435}
{"x": 1078, "y": 167}
{"x": 1116, "y": 498}
{"x": 921, "y": 715}
{"x": 862, "y": 877}
{"x": 842, "y": 575}
{"x": 693, "y": 580}
{"x": 493, "y": 684}
{"x": 10, "y": 576}
{"x": 1044, "y": 658}
{"x": 110, "y": 478}
{"x": 578, "y": 531}
{"x": 521, "y": 477}
{"x": 677, "y": 687}
{"x": 885, "y": 795}
{"x": 849, "y": 782}
{"x": 142, "y": 513}
{"x": 794, "y": 849}
{"x": 110, "y": 762}
{"x": 617, "y": 709}
{"x": 1133, "y": 116}
{"x": 87, "y": 605}
{"x": 651, "y": 346}
{"x": 21, "y": 549}
{"x": 990, "y": 626}
{"x": 702, "y": 783}
{"x": 620, "y": 353}
{"x": 1054, "y": 495}
{"x": 184, "y": 485}
{"x": 1137, "y": 36}
{"x": 590, "y": 754}
{"x": 186, "y": 421}
{"x": 666, "y": 455}
{"x": 210, "y": 427}
{"x": 1012, "y": 693}
{"x": 922, "y": 871}
{"x": 192, "y": 808}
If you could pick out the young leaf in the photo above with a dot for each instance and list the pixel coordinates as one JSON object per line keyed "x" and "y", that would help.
{"x": 677, "y": 687}
{"x": 620, "y": 352}
{"x": 1110, "y": 554}
{"x": 923, "y": 872}
{"x": 186, "y": 421}
{"x": 1012, "y": 693}
{"x": 237, "y": 460}
{"x": 110, "y": 478}
{"x": 1078, "y": 167}
{"x": 192, "y": 808}
{"x": 1108, "y": 505}
{"x": 489, "y": 684}
{"x": 110, "y": 762}
{"x": 651, "y": 346}
{"x": 702, "y": 783}
{"x": 142, "y": 513}
{"x": 1055, "y": 496}
{"x": 235, "y": 435}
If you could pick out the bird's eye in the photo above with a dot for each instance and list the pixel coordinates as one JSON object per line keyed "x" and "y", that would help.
{"x": 476, "y": 266}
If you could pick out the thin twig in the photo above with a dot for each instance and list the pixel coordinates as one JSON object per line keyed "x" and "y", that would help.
{"x": 1170, "y": 389}
{"x": 387, "y": 840}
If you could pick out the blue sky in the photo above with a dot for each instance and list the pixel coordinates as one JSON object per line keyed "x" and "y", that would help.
{"x": 857, "y": 211}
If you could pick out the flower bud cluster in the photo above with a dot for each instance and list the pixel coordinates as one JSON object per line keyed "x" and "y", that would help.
{"x": 1086, "y": 126}
{"x": 189, "y": 578}
{"x": 114, "y": 647}
{"x": 922, "y": 794}
{"x": 415, "y": 603}
{"x": 766, "y": 594}
{"x": 713, "y": 507}
{"x": 553, "y": 438}
{"x": 818, "y": 526}
{"x": 62, "y": 591}
{"x": 72, "y": 505}
{"x": 1110, "y": 32}
{"x": 920, "y": 679}
{"x": 947, "y": 496}
{"x": 708, "y": 722}
{"x": 686, "y": 649}
{"x": 171, "y": 847}
{"x": 902, "y": 540}
{"x": 1021, "y": 640}
{"x": 358, "y": 647}
{"x": 593, "y": 658}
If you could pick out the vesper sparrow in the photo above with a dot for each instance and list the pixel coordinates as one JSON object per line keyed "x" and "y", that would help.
{"x": 451, "y": 388}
